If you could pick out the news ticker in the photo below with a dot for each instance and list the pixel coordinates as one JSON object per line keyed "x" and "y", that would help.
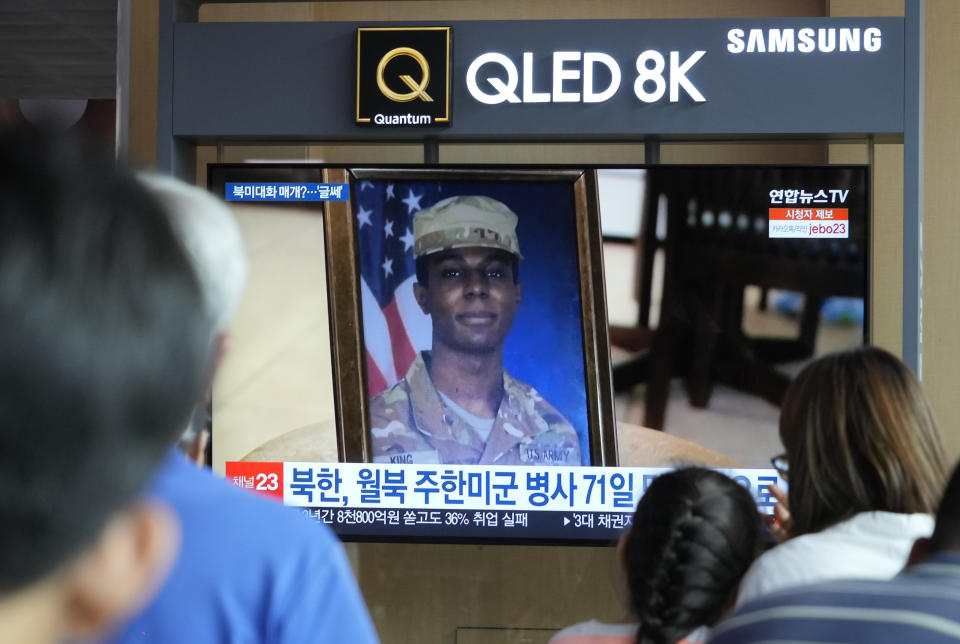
{"x": 414, "y": 523}
{"x": 236, "y": 191}
{"x": 359, "y": 499}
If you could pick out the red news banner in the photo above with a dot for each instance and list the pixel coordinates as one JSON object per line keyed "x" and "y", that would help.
{"x": 786, "y": 223}
{"x": 265, "y": 478}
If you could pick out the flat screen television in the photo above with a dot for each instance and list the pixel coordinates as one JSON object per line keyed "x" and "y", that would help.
{"x": 424, "y": 353}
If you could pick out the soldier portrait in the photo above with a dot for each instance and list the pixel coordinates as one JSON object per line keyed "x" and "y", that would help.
{"x": 471, "y": 322}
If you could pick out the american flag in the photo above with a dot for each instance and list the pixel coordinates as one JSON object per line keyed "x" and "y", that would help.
{"x": 394, "y": 327}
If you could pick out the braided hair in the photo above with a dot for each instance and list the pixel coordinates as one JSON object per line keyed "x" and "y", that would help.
{"x": 694, "y": 534}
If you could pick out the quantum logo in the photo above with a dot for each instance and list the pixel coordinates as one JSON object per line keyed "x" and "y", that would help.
{"x": 403, "y": 76}
{"x": 417, "y": 89}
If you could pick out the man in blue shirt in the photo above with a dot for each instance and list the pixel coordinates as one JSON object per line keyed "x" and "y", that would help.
{"x": 250, "y": 569}
{"x": 104, "y": 350}
{"x": 921, "y": 604}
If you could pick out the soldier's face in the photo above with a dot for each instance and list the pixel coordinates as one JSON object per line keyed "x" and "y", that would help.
{"x": 471, "y": 298}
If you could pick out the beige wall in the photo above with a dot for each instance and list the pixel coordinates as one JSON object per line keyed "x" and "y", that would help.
{"x": 143, "y": 81}
{"x": 277, "y": 376}
{"x": 424, "y": 593}
{"x": 941, "y": 235}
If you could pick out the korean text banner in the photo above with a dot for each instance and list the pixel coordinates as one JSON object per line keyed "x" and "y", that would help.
{"x": 380, "y": 501}
{"x": 473, "y": 487}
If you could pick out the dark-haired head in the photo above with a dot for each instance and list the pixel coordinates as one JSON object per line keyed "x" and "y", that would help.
{"x": 860, "y": 436}
{"x": 694, "y": 534}
{"x": 103, "y": 353}
{"x": 946, "y": 534}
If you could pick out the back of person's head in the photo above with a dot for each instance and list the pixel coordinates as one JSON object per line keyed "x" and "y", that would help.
{"x": 103, "y": 354}
{"x": 860, "y": 436}
{"x": 694, "y": 534}
{"x": 946, "y": 535}
{"x": 207, "y": 229}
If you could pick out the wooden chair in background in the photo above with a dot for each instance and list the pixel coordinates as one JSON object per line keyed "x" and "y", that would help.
{"x": 716, "y": 244}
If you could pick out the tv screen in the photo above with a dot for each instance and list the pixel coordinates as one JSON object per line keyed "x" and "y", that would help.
{"x": 512, "y": 353}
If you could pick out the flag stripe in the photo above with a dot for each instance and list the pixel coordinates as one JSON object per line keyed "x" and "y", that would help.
{"x": 403, "y": 354}
{"x": 376, "y": 336}
{"x": 375, "y": 380}
{"x": 415, "y": 321}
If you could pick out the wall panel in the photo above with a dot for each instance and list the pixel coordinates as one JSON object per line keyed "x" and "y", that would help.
{"x": 941, "y": 238}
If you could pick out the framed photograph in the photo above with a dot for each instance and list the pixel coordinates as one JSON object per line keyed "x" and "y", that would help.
{"x": 468, "y": 317}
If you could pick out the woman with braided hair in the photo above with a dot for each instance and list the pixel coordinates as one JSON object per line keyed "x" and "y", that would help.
{"x": 695, "y": 532}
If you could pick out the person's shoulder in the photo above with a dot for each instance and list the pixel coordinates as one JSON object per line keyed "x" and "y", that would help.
{"x": 866, "y": 546}
{"x": 742, "y": 626}
{"x": 391, "y": 413}
{"x": 392, "y": 401}
{"x": 532, "y": 401}
{"x": 884, "y": 525}
{"x": 790, "y": 563}
{"x": 595, "y": 632}
{"x": 249, "y": 569}
{"x": 395, "y": 415}
{"x": 551, "y": 439}
{"x": 858, "y": 610}
{"x": 798, "y": 558}
{"x": 515, "y": 386}
{"x": 867, "y": 536}
{"x": 205, "y": 501}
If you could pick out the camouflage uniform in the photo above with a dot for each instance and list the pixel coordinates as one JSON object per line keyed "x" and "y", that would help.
{"x": 411, "y": 424}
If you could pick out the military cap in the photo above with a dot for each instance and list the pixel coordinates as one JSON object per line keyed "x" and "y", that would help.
{"x": 468, "y": 220}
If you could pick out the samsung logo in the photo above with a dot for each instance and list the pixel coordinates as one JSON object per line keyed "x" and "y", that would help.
{"x": 806, "y": 40}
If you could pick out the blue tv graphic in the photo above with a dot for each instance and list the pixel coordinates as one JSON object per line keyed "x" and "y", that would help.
{"x": 287, "y": 192}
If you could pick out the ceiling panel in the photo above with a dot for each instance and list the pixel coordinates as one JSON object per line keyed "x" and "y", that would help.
{"x": 58, "y": 48}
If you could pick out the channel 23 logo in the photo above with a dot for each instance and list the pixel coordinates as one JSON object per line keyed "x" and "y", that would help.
{"x": 403, "y": 76}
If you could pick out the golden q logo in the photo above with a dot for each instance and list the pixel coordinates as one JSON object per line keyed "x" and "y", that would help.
{"x": 417, "y": 89}
{"x": 403, "y": 76}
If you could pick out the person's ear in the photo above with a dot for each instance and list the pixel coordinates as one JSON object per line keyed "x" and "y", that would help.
{"x": 220, "y": 349}
{"x": 118, "y": 574}
{"x": 919, "y": 551}
{"x": 197, "y": 450}
{"x": 420, "y": 295}
{"x": 221, "y": 346}
{"x": 518, "y": 290}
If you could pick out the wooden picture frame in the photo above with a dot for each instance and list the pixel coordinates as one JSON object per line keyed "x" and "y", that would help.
{"x": 584, "y": 369}
{"x": 352, "y": 360}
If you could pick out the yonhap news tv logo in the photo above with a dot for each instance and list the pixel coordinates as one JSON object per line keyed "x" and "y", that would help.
{"x": 403, "y": 76}
{"x": 821, "y": 212}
